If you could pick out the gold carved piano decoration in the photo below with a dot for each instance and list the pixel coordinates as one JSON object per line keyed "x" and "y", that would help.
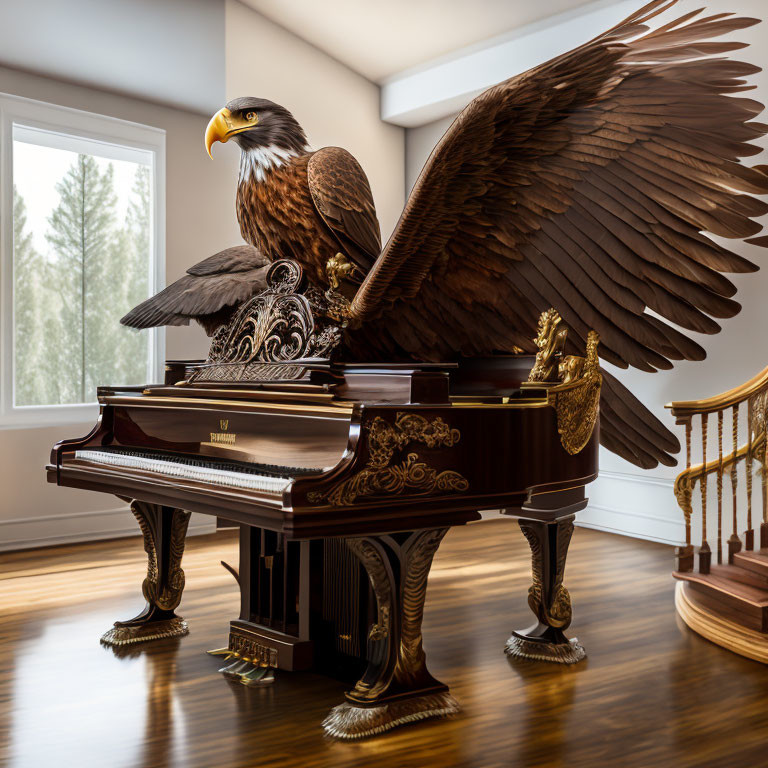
{"x": 380, "y": 477}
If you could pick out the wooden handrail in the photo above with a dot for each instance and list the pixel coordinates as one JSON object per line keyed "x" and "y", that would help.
{"x": 698, "y": 471}
{"x": 683, "y": 410}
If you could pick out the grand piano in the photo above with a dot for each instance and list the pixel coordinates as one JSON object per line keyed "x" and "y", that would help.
{"x": 344, "y": 478}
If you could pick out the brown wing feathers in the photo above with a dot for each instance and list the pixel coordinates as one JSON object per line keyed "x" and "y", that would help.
{"x": 206, "y": 293}
{"x": 586, "y": 184}
{"x": 342, "y": 196}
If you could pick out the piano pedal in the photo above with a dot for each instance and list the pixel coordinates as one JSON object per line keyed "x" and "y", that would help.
{"x": 258, "y": 676}
{"x": 237, "y": 668}
{"x": 228, "y": 653}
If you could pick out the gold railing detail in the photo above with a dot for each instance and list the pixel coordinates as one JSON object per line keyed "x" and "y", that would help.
{"x": 753, "y": 395}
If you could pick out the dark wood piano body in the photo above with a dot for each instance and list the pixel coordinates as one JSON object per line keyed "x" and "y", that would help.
{"x": 366, "y": 469}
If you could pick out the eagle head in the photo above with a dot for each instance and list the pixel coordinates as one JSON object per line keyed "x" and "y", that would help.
{"x": 256, "y": 125}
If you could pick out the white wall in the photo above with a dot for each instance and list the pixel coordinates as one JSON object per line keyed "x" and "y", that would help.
{"x": 336, "y": 106}
{"x": 626, "y": 499}
{"x": 169, "y": 51}
{"x": 200, "y": 220}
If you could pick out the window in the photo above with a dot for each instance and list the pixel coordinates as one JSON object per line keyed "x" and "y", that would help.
{"x": 83, "y": 199}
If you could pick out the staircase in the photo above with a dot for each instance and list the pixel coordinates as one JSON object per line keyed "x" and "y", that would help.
{"x": 726, "y": 601}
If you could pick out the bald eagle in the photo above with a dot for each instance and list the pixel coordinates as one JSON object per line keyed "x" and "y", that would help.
{"x": 586, "y": 184}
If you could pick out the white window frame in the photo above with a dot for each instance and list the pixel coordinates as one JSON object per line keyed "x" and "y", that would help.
{"x": 105, "y": 130}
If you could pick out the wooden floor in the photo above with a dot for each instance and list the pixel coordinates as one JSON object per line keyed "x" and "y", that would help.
{"x": 650, "y": 693}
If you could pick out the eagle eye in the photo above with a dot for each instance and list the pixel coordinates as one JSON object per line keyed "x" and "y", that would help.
{"x": 251, "y": 117}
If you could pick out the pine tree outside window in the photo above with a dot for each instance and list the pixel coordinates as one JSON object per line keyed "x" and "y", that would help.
{"x": 84, "y": 194}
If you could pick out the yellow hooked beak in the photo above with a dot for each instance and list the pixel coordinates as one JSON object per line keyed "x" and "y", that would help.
{"x": 224, "y": 125}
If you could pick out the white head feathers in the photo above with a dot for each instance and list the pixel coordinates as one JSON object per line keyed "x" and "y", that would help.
{"x": 256, "y": 162}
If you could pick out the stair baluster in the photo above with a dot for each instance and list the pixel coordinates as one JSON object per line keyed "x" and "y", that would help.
{"x": 684, "y": 493}
{"x": 719, "y": 487}
{"x": 705, "y": 553}
{"x": 764, "y": 477}
{"x": 749, "y": 537}
{"x": 734, "y": 543}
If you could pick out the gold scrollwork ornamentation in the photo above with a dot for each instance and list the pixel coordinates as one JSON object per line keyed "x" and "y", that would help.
{"x": 537, "y": 567}
{"x": 684, "y": 495}
{"x": 557, "y": 612}
{"x": 379, "y": 478}
{"x": 373, "y": 559}
{"x": 549, "y": 341}
{"x": 758, "y": 404}
{"x": 337, "y": 268}
{"x": 286, "y": 322}
{"x": 418, "y": 561}
{"x": 396, "y": 687}
{"x": 166, "y": 596}
{"x": 162, "y": 591}
{"x": 577, "y": 403}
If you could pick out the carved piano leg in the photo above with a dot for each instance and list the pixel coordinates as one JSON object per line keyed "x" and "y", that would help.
{"x": 164, "y": 529}
{"x": 396, "y": 688}
{"x": 547, "y": 597}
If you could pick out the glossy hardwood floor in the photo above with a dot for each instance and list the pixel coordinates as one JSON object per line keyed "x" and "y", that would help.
{"x": 650, "y": 693}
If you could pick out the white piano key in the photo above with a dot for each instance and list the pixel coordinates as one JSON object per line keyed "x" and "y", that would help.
{"x": 189, "y": 471}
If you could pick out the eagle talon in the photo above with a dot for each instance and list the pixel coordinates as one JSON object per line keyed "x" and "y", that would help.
{"x": 337, "y": 268}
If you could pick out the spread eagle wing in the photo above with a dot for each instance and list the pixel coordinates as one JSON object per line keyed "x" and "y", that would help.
{"x": 342, "y": 196}
{"x": 208, "y": 293}
{"x": 585, "y": 184}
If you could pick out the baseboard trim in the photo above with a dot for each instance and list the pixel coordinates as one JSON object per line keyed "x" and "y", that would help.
{"x": 638, "y": 525}
{"x": 628, "y": 477}
{"x": 639, "y": 506}
{"x": 623, "y": 532}
{"x": 75, "y": 527}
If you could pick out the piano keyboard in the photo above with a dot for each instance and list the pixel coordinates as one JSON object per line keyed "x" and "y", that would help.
{"x": 231, "y": 474}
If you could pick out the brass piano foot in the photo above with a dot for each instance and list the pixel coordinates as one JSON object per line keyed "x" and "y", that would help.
{"x": 566, "y": 652}
{"x": 348, "y": 721}
{"x": 142, "y": 631}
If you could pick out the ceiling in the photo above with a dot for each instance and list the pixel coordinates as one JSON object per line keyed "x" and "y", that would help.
{"x": 380, "y": 38}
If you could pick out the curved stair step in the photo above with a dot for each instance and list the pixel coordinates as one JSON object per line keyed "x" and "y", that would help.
{"x": 734, "y": 592}
{"x": 755, "y": 561}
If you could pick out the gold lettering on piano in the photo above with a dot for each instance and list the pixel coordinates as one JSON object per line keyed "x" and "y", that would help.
{"x": 223, "y": 438}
